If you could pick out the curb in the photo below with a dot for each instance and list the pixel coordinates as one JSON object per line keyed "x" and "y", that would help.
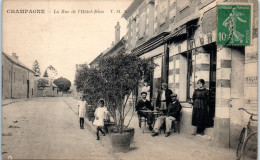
{"x": 104, "y": 140}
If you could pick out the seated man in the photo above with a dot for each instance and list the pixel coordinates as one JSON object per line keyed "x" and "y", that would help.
{"x": 144, "y": 104}
{"x": 173, "y": 113}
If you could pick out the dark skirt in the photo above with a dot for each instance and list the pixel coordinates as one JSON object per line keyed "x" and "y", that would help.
{"x": 200, "y": 117}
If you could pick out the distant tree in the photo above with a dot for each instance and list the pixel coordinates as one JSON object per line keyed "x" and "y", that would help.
{"x": 45, "y": 74}
{"x": 62, "y": 83}
{"x": 42, "y": 83}
{"x": 52, "y": 72}
{"x": 36, "y": 68}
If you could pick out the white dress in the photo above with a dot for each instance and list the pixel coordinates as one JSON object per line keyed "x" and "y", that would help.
{"x": 82, "y": 109}
{"x": 101, "y": 113}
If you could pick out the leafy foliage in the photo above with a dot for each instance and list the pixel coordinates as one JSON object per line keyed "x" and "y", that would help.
{"x": 89, "y": 82}
{"x": 114, "y": 80}
{"x": 42, "y": 83}
{"x": 45, "y": 74}
{"x": 36, "y": 68}
{"x": 50, "y": 72}
{"x": 62, "y": 83}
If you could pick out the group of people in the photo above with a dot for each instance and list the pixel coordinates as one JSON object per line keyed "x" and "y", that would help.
{"x": 168, "y": 107}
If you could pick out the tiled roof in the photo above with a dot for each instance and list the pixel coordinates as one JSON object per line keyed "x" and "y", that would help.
{"x": 16, "y": 61}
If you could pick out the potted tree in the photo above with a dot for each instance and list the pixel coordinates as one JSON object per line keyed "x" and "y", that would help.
{"x": 115, "y": 80}
{"x": 88, "y": 82}
{"x": 121, "y": 74}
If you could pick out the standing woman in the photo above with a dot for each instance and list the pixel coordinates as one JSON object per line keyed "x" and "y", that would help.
{"x": 200, "y": 107}
{"x": 81, "y": 111}
{"x": 146, "y": 88}
{"x": 100, "y": 115}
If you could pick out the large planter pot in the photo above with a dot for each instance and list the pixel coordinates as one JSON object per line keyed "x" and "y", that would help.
{"x": 132, "y": 132}
{"x": 90, "y": 114}
{"x": 108, "y": 126}
{"x": 120, "y": 142}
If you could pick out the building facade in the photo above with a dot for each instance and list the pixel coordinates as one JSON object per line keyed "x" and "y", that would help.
{"x": 50, "y": 90}
{"x": 117, "y": 47}
{"x": 17, "y": 79}
{"x": 180, "y": 36}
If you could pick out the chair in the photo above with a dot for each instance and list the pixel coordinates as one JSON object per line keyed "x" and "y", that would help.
{"x": 175, "y": 125}
{"x": 142, "y": 119}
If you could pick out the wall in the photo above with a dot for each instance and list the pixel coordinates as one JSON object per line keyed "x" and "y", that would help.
{"x": 6, "y": 78}
{"x": 19, "y": 77}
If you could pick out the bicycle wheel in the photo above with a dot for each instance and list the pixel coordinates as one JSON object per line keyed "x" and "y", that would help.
{"x": 250, "y": 147}
{"x": 240, "y": 143}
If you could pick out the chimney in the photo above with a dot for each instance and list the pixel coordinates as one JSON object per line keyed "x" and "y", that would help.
{"x": 15, "y": 56}
{"x": 117, "y": 32}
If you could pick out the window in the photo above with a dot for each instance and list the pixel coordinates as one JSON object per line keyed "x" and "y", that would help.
{"x": 10, "y": 76}
{"x": 142, "y": 23}
{"x": 182, "y": 4}
{"x": 163, "y": 10}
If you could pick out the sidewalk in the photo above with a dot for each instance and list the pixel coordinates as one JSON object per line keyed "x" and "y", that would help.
{"x": 176, "y": 146}
{"x": 10, "y": 101}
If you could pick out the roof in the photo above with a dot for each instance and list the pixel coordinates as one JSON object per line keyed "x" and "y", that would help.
{"x": 96, "y": 59}
{"x": 16, "y": 61}
{"x": 50, "y": 82}
{"x": 115, "y": 46}
{"x": 132, "y": 8}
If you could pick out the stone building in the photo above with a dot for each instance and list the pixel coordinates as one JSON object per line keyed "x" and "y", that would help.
{"x": 17, "y": 78}
{"x": 50, "y": 90}
{"x": 180, "y": 36}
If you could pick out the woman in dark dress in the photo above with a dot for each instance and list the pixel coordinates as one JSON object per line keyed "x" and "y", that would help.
{"x": 200, "y": 108}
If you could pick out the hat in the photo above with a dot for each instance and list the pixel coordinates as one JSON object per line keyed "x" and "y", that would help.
{"x": 164, "y": 84}
{"x": 173, "y": 95}
{"x": 144, "y": 93}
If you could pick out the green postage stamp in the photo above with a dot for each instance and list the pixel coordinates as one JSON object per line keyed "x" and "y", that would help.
{"x": 234, "y": 24}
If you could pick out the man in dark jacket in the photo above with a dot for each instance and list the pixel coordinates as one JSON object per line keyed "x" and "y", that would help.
{"x": 163, "y": 98}
{"x": 173, "y": 114}
{"x": 144, "y": 104}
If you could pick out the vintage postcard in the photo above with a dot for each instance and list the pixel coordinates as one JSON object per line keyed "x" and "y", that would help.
{"x": 129, "y": 79}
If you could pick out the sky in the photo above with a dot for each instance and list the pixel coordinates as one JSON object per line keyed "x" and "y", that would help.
{"x": 61, "y": 39}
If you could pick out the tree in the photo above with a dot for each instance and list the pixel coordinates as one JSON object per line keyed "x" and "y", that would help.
{"x": 62, "y": 83}
{"x": 36, "y": 68}
{"x": 114, "y": 81}
{"x": 45, "y": 74}
{"x": 42, "y": 83}
{"x": 51, "y": 72}
{"x": 88, "y": 81}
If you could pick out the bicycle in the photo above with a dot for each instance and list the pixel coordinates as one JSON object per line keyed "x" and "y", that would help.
{"x": 247, "y": 136}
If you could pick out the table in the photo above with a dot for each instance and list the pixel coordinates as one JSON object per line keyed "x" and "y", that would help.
{"x": 155, "y": 113}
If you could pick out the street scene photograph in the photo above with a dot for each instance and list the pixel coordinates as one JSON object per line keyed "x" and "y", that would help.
{"x": 129, "y": 79}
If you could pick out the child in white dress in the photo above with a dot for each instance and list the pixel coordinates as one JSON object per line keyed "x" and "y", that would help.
{"x": 100, "y": 115}
{"x": 81, "y": 112}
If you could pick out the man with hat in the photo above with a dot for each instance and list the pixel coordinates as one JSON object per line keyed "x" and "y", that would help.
{"x": 173, "y": 114}
{"x": 144, "y": 104}
{"x": 163, "y": 98}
